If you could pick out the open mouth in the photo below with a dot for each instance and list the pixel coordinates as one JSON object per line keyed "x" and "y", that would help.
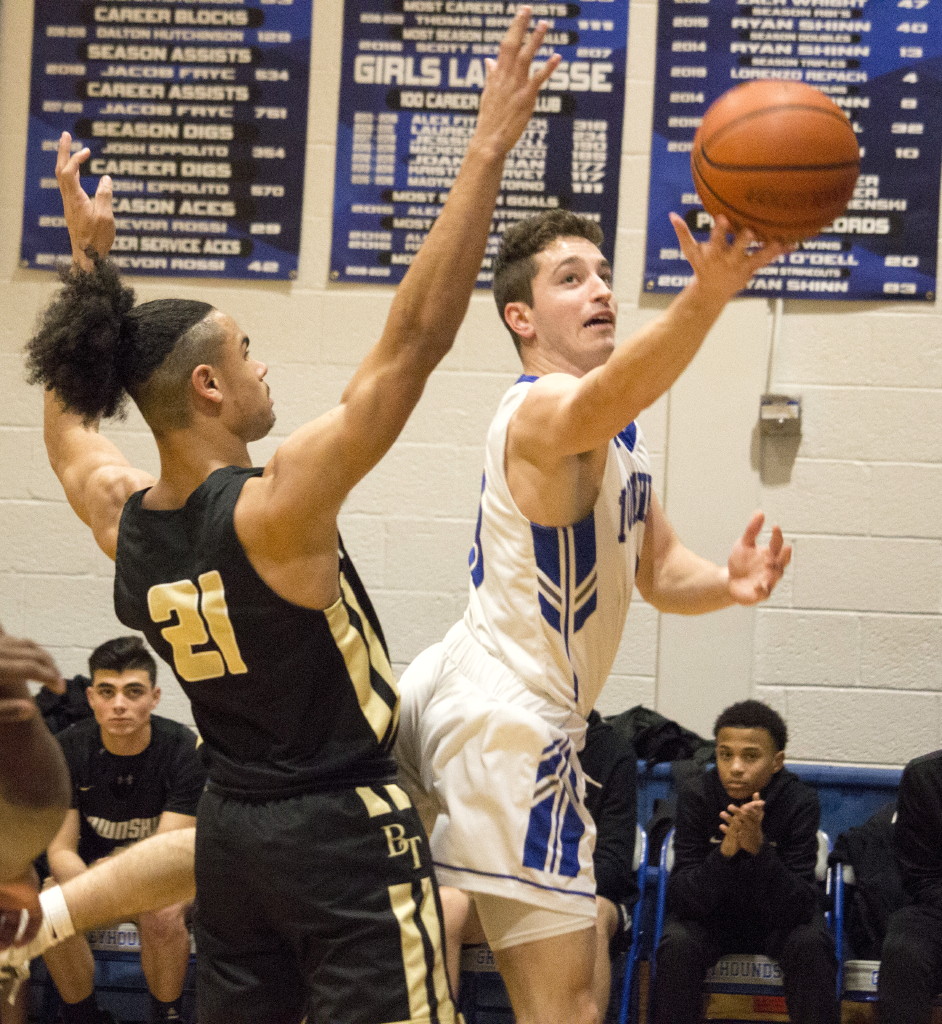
{"x": 600, "y": 320}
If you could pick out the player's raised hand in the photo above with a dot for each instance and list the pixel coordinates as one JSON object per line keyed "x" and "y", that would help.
{"x": 726, "y": 261}
{"x": 90, "y": 219}
{"x": 754, "y": 571}
{"x": 512, "y": 83}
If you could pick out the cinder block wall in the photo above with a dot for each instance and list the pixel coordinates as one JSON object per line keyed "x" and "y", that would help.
{"x": 850, "y": 646}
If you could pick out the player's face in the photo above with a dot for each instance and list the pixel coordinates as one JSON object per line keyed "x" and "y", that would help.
{"x": 247, "y": 397}
{"x": 122, "y": 701}
{"x": 746, "y": 760}
{"x": 573, "y": 313}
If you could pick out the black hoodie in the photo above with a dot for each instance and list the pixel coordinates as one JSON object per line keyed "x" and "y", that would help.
{"x": 745, "y": 894}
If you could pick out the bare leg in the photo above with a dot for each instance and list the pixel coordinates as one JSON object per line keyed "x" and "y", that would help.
{"x": 550, "y": 980}
{"x": 72, "y": 968}
{"x": 456, "y": 910}
{"x": 146, "y": 876}
{"x": 605, "y": 925}
{"x": 165, "y": 951}
{"x": 462, "y": 926}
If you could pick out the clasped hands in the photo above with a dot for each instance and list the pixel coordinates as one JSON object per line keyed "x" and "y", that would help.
{"x": 742, "y": 827}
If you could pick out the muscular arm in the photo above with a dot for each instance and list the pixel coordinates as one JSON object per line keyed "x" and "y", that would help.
{"x": 95, "y": 475}
{"x": 317, "y": 466}
{"x": 565, "y": 416}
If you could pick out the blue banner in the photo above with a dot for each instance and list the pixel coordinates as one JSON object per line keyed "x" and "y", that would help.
{"x": 196, "y": 109}
{"x": 413, "y": 71}
{"x": 881, "y": 62}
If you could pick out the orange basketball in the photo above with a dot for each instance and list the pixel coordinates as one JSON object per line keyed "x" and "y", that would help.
{"x": 778, "y": 157}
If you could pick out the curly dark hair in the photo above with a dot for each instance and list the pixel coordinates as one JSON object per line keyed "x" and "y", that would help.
{"x": 94, "y": 347}
{"x": 514, "y": 265}
{"x": 753, "y": 714}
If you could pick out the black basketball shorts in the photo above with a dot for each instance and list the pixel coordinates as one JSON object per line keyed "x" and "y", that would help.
{"x": 322, "y": 904}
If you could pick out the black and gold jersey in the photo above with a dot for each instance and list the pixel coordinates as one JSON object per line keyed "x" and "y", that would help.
{"x": 287, "y": 699}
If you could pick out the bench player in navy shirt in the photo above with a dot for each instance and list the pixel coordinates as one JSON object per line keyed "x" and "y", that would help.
{"x": 134, "y": 774}
{"x": 314, "y": 883}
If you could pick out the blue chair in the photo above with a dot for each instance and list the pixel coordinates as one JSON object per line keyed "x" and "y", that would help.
{"x": 735, "y": 974}
{"x": 856, "y": 979}
{"x": 629, "y": 1001}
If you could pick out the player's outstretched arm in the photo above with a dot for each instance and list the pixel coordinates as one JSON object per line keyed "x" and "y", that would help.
{"x": 320, "y": 463}
{"x": 153, "y": 873}
{"x": 95, "y": 475}
{"x": 673, "y": 578}
{"x": 581, "y": 416}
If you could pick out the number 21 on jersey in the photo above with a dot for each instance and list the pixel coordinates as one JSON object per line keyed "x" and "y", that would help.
{"x": 201, "y": 614}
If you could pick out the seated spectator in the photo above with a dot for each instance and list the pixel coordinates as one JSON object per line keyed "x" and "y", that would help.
{"x": 743, "y": 881}
{"x": 610, "y": 769}
{"x": 133, "y": 774}
{"x": 911, "y": 958}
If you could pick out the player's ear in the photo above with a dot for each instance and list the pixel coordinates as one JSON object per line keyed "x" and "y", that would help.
{"x": 205, "y": 382}
{"x": 519, "y": 318}
{"x": 155, "y": 694}
{"x": 778, "y": 762}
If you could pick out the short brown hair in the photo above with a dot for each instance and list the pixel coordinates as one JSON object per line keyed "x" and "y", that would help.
{"x": 514, "y": 266}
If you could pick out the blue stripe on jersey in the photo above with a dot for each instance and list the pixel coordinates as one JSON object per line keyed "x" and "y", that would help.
{"x": 476, "y": 554}
{"x": 567, "y": 577}
{"x": 555, "y": 828}
{"x": 628, "y": 436}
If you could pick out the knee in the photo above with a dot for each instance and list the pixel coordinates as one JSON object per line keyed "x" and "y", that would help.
{"x": 808, "y": 940}
{"x": 162, "y": 926}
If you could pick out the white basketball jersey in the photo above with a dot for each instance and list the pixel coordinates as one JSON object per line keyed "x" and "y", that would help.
{"x": 551, "y": 602}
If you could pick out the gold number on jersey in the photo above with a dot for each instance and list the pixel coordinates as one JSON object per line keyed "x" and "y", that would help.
{"x": 201, "y": 613}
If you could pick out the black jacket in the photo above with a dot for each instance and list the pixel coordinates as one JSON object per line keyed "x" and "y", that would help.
{"x": 610, "y": 767}
{"x": 746, "y": 894}
{"x": 918, "y": 832}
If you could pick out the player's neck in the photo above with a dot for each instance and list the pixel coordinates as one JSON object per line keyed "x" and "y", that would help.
{"x": 128, "y": 745}
{"x": 187, "y": 459}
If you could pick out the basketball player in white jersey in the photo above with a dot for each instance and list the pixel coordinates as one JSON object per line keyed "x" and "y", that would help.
{"x": 493, "y": 717}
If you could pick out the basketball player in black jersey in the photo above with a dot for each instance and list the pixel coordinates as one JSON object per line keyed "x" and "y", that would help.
{"x": 314, "y": 885}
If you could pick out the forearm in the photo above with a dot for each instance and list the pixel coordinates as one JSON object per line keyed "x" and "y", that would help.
{"x": 644, "y": 367}
{"x": 432, "y": 299}
{"x": 685, "y": 583}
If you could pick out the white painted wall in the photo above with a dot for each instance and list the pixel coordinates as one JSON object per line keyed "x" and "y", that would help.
{"x": 849, "y": 648}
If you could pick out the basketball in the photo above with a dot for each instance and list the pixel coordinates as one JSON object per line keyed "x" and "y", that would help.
{"x": 778, "y": 157}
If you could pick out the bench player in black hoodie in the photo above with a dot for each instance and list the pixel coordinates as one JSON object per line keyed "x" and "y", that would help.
{"x": 743, "y": 880}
